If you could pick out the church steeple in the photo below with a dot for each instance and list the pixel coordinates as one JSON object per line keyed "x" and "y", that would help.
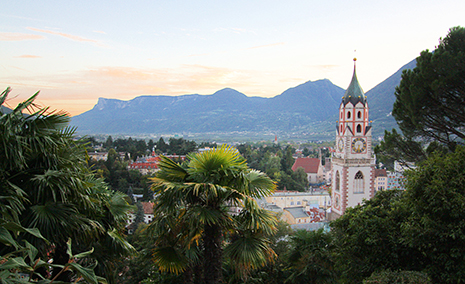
{"x": 354, "y": 92}
{"x": 352, "y": 161}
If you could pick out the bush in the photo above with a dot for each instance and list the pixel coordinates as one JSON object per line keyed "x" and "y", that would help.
{"x": 398, "y": 277}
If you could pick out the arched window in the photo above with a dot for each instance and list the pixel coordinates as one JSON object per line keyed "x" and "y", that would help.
{"x": 348, "y": 115}
{"x": 359, "y": 184}
{"x": 359, "y": 128}
{"x": 359, "y": 114}
{"x": 338, "y": 181}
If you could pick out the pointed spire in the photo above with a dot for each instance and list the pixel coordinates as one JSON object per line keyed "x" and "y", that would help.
{"x": 354, "y": 92}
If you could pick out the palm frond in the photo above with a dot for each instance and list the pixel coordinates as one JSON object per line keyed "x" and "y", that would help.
{"x": 252, "y": 217}
{"x": 170, "y": 259}
{"x": 250, "y": 251}
{"x": 259, "y": 185}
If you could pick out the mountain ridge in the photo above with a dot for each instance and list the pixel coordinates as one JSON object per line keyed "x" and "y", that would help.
{"x": 310, "y": 107}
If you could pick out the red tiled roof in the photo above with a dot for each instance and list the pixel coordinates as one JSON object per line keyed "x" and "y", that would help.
{"x": 154, "y": 159}
{"x": 316, "y": 215}
{"x": 148, "y": 207}
{"x": 310, "y": 165}
{"x": 380, "y": 173}
{"x": 137, "y": 165}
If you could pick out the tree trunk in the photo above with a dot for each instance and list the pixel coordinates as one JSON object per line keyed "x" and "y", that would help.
{"x": 188, "y": 276}
{"x": 213, "y": 255}
{"x": 61, "y": 257}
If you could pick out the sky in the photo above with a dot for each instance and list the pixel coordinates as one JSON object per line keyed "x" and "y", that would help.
{"x": 74, "y": 52}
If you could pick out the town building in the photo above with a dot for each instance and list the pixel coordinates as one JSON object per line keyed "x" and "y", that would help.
{"x": 396, "y": 179}
{"x": 149, "y": 164}
{"x": 147, "y": 207}
{"x": 312, "y": 167}
{"x": 302, "y": 210}
{"x": 353, "y": 163}
{"x": 381, "y": 179}
{"x": 288, "y": 199}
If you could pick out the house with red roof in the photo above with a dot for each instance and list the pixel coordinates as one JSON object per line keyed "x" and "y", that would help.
{"x": 312, "y": 167}
{"x": 147, "y": 207}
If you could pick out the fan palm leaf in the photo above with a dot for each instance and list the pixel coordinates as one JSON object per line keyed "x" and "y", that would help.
{"x": 204, "y": 189}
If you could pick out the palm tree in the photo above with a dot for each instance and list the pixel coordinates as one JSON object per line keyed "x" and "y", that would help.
{"x": 41, "y": 159}
{"x": 200, "y": 195}
{"x": 310, "y": 258}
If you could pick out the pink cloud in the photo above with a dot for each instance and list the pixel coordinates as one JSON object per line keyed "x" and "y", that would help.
{"x": 28, "y": 56}
{"x": 77, "y": 92}
{"x": 19, "y": 37}
{"x": 69, "y": 36}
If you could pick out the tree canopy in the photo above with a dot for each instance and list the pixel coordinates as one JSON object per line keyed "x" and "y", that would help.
{"x": 419, "y": 229}
{"x": 430, "y": 100}
{"x": 46, "y": 185}
{"x": 195, "y": 215}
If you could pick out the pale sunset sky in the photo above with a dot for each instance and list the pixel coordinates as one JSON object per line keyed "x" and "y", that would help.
{"x": 77, "y": 51}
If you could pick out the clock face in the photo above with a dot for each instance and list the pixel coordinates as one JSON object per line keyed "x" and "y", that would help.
{"x": 340, "y": 145}
{"x": 359, "y": 145}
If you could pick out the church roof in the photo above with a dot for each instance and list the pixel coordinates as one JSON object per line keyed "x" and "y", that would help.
{"x": 310, "y": 165}
{"x": 354, "y": 92}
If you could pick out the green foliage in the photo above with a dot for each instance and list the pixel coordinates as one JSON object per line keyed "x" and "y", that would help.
{"x": 419, "y": 229}
{"x": 42, "y": 161}
{"x": 398, "y": 277}
{"x": 310, "y": 257}
{"x": 430, "y": 100}
{"x": 430, "y": 104}
{"x": 24, "y": 265}
{"x": 368, "y": 238}
{"x": 397, "y": 147}
{"x": 193, "y": 218}
{"x": 306, "y": 152}
{"x": 436, "y": 195}
{"x": 277, "y": 164}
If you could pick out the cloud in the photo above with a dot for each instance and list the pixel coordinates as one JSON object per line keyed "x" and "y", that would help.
{"x": 169, "y": 81}
{"x": 19, "y": 37}
{"x": 267, "y": 45}
{"x": 325, "y": 67}
{"x": 69, "y": 36}
{"x": 28, "y": 56}
{"x": 100, "y": 32}
{"x": 77, "y": 92}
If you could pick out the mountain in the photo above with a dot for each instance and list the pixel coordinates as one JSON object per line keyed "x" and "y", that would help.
{"x": 226, "y": 110}
{"x": 308, "y": 109}
{"x": 381, "y": 99}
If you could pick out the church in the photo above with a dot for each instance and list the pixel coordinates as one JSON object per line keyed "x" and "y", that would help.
{"x": 353, "y": 162}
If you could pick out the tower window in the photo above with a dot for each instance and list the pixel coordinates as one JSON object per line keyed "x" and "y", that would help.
{"x": 359, "y": 186}
{"x": 359, "y": 128}
{"x": 348, "y": 115}
{"x": 338, "y": 181}
{"x": 359, "y": 114}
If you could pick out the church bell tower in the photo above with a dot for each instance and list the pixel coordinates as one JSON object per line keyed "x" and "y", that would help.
{"x": 353, "y": 164}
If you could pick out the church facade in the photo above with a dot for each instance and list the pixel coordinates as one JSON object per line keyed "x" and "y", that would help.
{"x": 353, "y": 162}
